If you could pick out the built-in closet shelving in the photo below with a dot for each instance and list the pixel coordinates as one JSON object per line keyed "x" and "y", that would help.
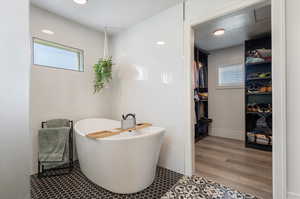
{"x": 258, "y": 93}
{"x": 201, "y": 93}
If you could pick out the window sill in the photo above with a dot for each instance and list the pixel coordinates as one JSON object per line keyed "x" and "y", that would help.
{"x": 229, "y": 87}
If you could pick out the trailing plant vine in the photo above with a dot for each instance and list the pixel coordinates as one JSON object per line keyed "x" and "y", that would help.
{"x": 103, "y": 73}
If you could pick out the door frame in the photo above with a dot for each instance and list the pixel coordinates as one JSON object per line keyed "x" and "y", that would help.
{"x": 279, "y": 88}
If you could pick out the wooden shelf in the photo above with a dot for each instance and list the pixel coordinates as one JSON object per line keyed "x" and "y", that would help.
{"x": 259, "y": 146}
{"x": 203, "y": 100}
{"x": 248, "y": 112}
{"x": 258, "y": 78}
{"x": 258, "y": 63}
{"x": 264, "y": 93}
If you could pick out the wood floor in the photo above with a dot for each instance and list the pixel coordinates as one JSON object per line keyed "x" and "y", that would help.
{"x": 228, "y": 162}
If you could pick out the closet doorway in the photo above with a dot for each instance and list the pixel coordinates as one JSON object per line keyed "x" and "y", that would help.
{"x": 232, "y": 82}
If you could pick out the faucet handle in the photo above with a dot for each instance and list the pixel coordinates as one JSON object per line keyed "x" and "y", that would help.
{"x": 130, "y": 114}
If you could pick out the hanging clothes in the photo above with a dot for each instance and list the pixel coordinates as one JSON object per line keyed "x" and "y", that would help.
{"x": 200, "y": 93}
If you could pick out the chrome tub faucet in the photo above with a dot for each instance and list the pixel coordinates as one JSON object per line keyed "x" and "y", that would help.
{"x": 128, "y": 121}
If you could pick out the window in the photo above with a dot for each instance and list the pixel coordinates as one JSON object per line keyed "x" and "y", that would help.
{"x": 50, "y": 54}
{"x": 231, "y": 76}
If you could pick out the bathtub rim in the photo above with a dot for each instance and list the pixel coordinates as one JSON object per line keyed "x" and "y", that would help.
{"x": 112, "y": 138}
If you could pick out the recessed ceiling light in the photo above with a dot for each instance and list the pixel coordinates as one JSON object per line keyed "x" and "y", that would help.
{"x": 81, "y": 2}
{"x": 49, "y": 32}
{"x": 160, "y": 43}
{"x": 219, "y": 32}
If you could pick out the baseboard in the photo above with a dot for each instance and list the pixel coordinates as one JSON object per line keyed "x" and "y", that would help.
{"x": 227, "y": 133}
{"x": 292, "y": 195}
{"x": 28, "y": 196}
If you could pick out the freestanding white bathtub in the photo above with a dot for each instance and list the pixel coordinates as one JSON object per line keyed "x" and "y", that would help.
{"x": 124, "y": 163}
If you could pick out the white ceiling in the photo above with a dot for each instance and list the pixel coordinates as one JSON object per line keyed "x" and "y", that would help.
{"x": 239, "y": 26}
{"x": 114, "y": 14}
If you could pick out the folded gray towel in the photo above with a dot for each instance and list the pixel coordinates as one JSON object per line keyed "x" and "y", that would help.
{"x": 57, "y": 123}
{"x": 50, "y": 165}
{"x": 52, "y": 144}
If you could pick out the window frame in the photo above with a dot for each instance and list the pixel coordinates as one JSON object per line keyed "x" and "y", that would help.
{"x": 233, "y": 86}
{"x": 60, "y": 46}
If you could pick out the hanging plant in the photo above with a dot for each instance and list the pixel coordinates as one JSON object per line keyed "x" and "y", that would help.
{"x": 103, "y": 69}
{"x": 103, "y": 73}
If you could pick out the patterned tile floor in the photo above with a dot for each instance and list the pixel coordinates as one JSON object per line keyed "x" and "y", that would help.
{"x": 201, "y": 188}
{"x": 167, "y": 185}
{"x": 77, "y": 186}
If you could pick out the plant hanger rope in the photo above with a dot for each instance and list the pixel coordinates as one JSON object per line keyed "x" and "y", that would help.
{"x": 105, "y": 48}
{"x": 103, "y": 69}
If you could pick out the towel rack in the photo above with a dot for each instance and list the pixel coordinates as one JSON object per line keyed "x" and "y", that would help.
{"x": 60, "y": 170}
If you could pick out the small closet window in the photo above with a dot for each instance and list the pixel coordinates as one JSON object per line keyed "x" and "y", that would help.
{"x": 50, "y": 54}
{"x": 230, "y": 76}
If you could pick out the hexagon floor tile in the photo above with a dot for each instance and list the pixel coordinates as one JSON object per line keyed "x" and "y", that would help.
{"x": 76, "y": 185}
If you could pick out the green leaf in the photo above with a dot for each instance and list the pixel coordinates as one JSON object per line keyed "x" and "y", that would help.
{"x": 103, "y": 73}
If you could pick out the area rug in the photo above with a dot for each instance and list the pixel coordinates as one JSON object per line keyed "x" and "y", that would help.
{"x": 201, "y": 188}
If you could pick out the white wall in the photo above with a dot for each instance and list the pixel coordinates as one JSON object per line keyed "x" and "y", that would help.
{"x": 58, "y": 93}
{"x": 226, "y": 106}
{"x": 148, "y": 79}
{"x": 141, "y": 65}
{"x": 293, "y": 97}
{"x": 199, "y": 9}
{"x": 14, "y": 100}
